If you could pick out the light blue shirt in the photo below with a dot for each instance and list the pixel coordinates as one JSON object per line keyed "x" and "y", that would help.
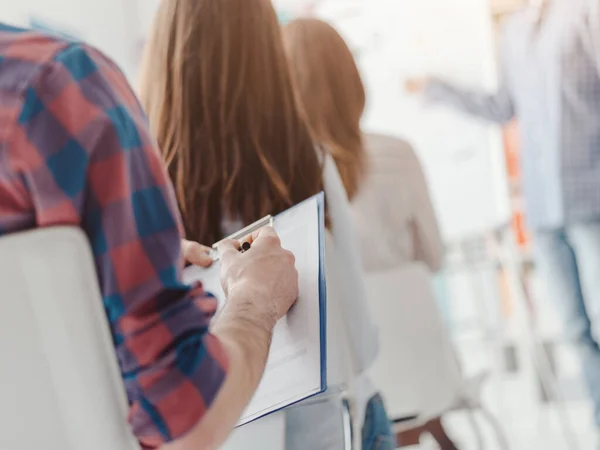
{"x": 551, "y": 84}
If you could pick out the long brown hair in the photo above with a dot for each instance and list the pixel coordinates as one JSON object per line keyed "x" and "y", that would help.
{"x": 332, "y": 93}
{"x": 217, "y": 88}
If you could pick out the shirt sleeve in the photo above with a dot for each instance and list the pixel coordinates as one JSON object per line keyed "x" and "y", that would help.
{"x": 87, "y": 157}
{"x": 429, "y": 245}
{"x": 494, "y": 107}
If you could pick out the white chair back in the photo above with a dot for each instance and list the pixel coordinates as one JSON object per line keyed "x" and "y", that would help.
{"x": 416, "y": 369}
{"x": 60, "y": 387}
{"x": 266, "y": 433}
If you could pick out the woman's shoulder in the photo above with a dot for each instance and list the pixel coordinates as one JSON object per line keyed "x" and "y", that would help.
{"x": 390, "y": 153}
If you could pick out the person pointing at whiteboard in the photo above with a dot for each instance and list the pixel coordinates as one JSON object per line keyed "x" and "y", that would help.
{"x": 550, "y": 61}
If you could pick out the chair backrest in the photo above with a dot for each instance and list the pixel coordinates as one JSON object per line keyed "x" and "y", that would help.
{"x": 60, "y": 387}
{"x": 416, "y": 369}
{"x": 266, "y": 433}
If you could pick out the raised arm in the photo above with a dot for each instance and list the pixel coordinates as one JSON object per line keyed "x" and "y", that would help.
{"x": 495, "y": 107}
{"x": 84, "y": 151}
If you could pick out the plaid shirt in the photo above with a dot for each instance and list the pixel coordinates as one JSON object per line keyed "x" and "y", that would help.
{"x": 75, "y": 149}
{"x": 551, "y": 84}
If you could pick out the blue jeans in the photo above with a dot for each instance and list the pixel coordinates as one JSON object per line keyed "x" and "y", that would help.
{"x": 569, "y": 263}
{"x": 377, "y": 430}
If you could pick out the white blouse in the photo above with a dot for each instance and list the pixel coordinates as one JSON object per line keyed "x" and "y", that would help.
{"x": 393, "y": 210}
{"x": 352, "y": 335}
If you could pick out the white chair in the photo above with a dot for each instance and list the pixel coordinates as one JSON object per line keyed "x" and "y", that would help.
{"x": 60, "y": 387}
{"x": 267, "y": 433}
{"x": 417, "y": 370}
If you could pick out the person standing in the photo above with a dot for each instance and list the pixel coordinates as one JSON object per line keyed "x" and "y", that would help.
{"x": 550, "y": 61}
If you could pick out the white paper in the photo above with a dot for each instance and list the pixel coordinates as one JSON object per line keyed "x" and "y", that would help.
{"x": 293, "y": 370}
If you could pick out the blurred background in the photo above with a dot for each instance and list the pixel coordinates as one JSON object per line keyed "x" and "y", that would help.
{"x": 506, "y": 335}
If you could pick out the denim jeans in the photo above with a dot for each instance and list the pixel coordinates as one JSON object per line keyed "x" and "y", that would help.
{"x": 569, "y": 263}
{"x": 377, "y": 430}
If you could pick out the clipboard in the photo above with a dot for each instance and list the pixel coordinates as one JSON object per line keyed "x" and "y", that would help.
{"x": 297, "y": 364}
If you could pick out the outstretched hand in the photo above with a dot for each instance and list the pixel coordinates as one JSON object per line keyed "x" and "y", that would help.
{"x": 416, "y": 85}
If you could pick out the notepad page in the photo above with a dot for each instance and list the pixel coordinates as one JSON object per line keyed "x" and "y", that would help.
{"x": 293, "y": 370}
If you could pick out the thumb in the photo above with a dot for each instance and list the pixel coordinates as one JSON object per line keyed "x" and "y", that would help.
{"x": 196, "y": 254}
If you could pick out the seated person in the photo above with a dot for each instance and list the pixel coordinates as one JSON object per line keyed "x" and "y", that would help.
{"x": 217, "y": 87}
{"x": 76, "y": 150}
{"x": 382, "y": 175}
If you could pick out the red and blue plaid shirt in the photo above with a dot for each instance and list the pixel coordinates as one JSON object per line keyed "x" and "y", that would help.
{"x": 75, "y": 149}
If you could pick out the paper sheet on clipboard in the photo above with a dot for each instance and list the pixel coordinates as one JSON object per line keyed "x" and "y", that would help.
{"x": 296, "y": 366}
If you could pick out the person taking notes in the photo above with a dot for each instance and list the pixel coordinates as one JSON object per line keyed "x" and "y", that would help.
{"x": 76, "y": 150}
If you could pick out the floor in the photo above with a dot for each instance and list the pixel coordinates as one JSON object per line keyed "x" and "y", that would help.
{"x": 516, "y": 400}
{"x": 510, "y": 353}
{"x": 529, "y": 423}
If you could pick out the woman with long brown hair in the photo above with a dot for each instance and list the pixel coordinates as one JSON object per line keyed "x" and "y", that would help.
{"x": 385, "y": 184}
{"x": 217, "y": 90}
{"x": 219, "y": 94}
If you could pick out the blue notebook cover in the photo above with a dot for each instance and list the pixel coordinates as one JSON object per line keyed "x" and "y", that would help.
{"x": 322, "y": 290}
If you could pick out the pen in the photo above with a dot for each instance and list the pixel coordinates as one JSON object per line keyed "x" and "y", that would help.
{"x": 245, "y": 246}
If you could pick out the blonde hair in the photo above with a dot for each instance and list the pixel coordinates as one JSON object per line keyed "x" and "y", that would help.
{"x": 217, "y": 88}
{"x": 332, "y": 93}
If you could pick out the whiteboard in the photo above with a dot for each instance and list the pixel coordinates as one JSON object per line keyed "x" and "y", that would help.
{"x": 397, "y": 39}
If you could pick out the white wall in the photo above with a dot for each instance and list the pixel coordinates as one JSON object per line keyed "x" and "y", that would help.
{"x": 110, "y": 25}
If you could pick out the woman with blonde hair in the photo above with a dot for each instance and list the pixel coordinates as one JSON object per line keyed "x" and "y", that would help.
{"x": 382, "y": 175}
{"x": 219, "y": 94}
